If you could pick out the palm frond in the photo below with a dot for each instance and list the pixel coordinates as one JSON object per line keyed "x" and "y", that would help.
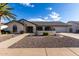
{"x": 9, "y": 8}
{"x": 8, "y": 18}
{"x": 12, "y": 17}
{"x": 5, "y": 12}
{"x": 2, "y": 5}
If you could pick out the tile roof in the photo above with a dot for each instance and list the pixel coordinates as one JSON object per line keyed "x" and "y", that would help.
{"x": 40, "y": 23}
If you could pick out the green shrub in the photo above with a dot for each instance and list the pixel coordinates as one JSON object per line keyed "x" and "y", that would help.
{"x": 45, "y": 34}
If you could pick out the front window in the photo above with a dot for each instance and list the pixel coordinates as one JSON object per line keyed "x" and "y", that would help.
{"x": 14, "y": 28}
{"x": 39, "y": 28}
{"x": 48, "y": 28}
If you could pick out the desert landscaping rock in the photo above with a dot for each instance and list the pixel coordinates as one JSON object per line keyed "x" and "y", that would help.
{"x": 46, "y": 42}
{"x": 6, "y": 36}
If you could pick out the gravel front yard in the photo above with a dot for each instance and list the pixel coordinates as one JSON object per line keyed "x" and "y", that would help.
{"x": 6, "y": 36}
{"x": 46, "y": 42}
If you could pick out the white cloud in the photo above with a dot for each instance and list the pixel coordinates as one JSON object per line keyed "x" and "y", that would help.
{"x": 55, "y": 16}
{"x": 36, "y": 19}
{"x": 46, "y": 18}
{"x": 57, "y": 19}
{"x": 28, "y": 4}
{"x": 49, "y": 8}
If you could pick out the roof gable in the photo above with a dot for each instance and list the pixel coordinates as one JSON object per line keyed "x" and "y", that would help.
{"x": 14, "y": 21}
{"x": 23, "y": 20}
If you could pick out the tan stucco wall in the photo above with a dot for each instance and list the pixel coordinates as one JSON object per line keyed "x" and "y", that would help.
{"x": 20, "y": 27}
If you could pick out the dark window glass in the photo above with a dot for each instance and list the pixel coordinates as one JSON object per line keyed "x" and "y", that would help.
{"x": 14, "y": 28}
{"x": 48, "y": 28}
{"x": 39, "y": 28}
{"x": 29, "y": 29}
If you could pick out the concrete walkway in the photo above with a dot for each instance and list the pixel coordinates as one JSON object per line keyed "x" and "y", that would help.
{"x": 70, "y": 35}
{"x": 39, "y": 52}
{"x": 9, "y": 42}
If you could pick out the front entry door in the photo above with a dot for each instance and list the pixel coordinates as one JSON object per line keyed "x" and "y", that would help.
{"x": 29, "y": 29}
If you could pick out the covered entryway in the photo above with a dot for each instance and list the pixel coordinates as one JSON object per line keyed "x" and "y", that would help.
{"x": 70, "y": 30}
{"x": 29, "y": 29}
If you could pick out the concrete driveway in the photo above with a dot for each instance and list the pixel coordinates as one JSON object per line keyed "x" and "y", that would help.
{"x": 73, "y": 35}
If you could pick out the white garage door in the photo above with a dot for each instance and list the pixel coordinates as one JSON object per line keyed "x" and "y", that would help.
{"x": 61, "y": 29}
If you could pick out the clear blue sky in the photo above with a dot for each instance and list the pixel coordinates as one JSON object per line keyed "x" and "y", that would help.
{"x": 46, "y": 11}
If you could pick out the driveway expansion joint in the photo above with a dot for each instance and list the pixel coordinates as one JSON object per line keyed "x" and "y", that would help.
{"x": 46, "y": 52}
{"x": 73, "y": 51}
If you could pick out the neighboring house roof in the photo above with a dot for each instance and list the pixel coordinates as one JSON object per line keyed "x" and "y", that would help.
{"x": 75, "y": 22}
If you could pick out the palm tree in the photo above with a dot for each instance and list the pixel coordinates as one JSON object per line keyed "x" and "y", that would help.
{"x": 5, "y": 13}
{"x": 2, "y": 5}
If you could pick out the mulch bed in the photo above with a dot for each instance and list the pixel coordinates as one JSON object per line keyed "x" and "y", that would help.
{"x": 46, "y": 42}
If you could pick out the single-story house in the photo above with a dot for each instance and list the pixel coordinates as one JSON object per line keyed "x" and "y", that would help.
{"x": 74, "y": 26}
{"x": 37, "y": 27}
